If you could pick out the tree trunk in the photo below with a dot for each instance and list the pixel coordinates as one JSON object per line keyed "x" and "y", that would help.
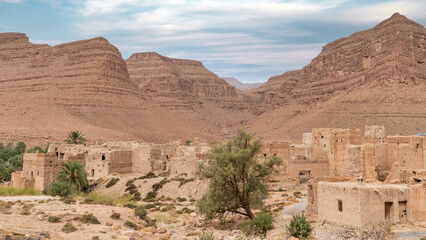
{"x": 249, "y": 212}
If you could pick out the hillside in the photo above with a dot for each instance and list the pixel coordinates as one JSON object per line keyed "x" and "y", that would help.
{"x": 47, "y": 91}
{"x": 377, "y": 76}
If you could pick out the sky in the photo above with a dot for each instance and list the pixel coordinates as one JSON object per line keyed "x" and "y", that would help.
{"x": 250, "y": 40}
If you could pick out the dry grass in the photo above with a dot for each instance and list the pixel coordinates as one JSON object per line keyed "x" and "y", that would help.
{"x": 378, "y": 231}
{"x": 11, "y": 191}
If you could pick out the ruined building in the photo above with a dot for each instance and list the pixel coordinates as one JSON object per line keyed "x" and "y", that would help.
{"x": 100, "y": 160}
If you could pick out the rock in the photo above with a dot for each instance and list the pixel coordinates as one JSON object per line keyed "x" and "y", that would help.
{"x": 161, "y": 230}
{"x": 193, "y": 214}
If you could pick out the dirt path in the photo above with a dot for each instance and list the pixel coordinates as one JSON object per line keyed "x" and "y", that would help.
{"x": 25, "y": 198}
{"x": 296, "y": 208}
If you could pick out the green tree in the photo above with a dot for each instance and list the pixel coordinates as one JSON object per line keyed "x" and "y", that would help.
{"x": 73, "y": 172}
{"x": 75, "y": 137}
{"x": 237, "y": 177}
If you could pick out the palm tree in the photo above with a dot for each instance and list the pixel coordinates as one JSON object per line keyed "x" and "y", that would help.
{"x": 73, "y": 172}
{"x": 75, "y": 137}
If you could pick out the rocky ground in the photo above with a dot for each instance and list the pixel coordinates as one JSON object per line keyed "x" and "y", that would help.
{"x": 27, "y": 217}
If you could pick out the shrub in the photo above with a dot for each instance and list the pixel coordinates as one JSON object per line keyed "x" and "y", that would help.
{"x": 181, "y": 199}
{"x": 140, "y": 212}
{"x": 54, "y": 219}
{"x": 299, "y": 227}
{"x": 297, "y": 194}
{"x": 89, "y": 218}
{"x": 68, "y": 227}
{"x": 150, "y": 197}
{"x": 112, "y": 182}
{"x": 148, "y": 175}
{"x": 5, "y": 207}
{"x": 131, "y": 205}
{"x": 259, "y": 225}
{"x": 159, "y": 185}
{"x": 280, "y": 189}
{"x": 131, "y": 224}
{"x": 115, "y": 215}
{"x": 206, "y": 236}
{"x": 95, "y": 238}
{"x": 26, "y": 209}
{"x": 61, "y": 189}
{"x": 99, "y": 198}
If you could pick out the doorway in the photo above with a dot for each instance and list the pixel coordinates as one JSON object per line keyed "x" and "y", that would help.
{"x": 388, "y": 211}
{"x": 402, "y": 212}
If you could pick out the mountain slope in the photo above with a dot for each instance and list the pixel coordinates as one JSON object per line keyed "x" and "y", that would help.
{"x": 377, "y": 76}
{"x": 47, "y": 91}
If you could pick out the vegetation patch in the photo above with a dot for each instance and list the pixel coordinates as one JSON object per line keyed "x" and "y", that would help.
{"x": 54, "y": 219}
{"x": 148, "y": 175}
{"x": 115, "y": 215}
{"x": 131, "y": 224}
{"x": 112, "y": 182}
{"x": 206, "y": 236}
{"x": 89, "y": 218}
{"x": 10, "y": 159}
{"x": 26, "y": 209}
{"x": 259, "y": 225}
{"x": 297, "y": 194}
{"x": 299, "y": 227}
{"x": 6, "y": 207}
{"x": 140, "y": 212}
{"x": 150, "y": 197}
{"x": 11, "y": 191}
{"x": 68, "y": 228}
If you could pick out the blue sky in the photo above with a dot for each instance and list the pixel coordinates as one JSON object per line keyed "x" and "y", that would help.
{"x": 250, "y": 40}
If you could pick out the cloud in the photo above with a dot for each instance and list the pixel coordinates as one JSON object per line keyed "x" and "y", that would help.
{"x": 10, "y": 1}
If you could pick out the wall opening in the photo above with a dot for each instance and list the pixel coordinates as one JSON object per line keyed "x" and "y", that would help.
{"x": 57, "y": 155}
{"x": 103, "y": 156}
{"x": 32, "y": 174}
{"x": 167, "y": 157}
{"x": 304, "y": 176}
{"x": 340, "y": 205}
{"x": 388, "y": 210}
{"x": 402, "y": 211}
{"x": 62, "y": 156}
{"x": 264, "y": 154}
{"x": 93, "y": 172}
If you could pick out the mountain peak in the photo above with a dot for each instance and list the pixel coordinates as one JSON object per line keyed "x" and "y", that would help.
{"x": 399, "y": 19}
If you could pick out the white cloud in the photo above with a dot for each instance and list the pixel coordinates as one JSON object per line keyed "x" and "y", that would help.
{"x": 10, "y": 1}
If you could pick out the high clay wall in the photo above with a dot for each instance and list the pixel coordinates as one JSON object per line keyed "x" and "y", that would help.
{"x": 358, "y": 204}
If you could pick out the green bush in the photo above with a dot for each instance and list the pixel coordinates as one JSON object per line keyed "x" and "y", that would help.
{"x": 148, "y": 175}
{"x": 299, "y": 227}
{"x": 206, "y": 236}
{"x": 140, "y": 212}
{"x": 53, "y": 219}
{"x": 259, "y": 225}
{"x": 280, "y": 189}
{"x": 297, "y": 194}
{"x": 112, "y": 182}
{"x": 181, "y": 199}
{"x": 150, "y": 197}
{"x": 131, "y": 205}
{"x": 115, "y": 215}
{"x": 99, "y": 198}
{"x": 68, "y": 227}
{"x": 39, "y": 149}
{"x": 61, "y": 189}
{"x": 131, "y": 224}
{"x": 159, "y": 185}
{"x": 10, "y": 159}
{"x": 89, "y": 218}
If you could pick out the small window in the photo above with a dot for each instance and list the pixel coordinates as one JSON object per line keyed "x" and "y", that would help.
{"x": 264, "y": 154}
{"x": 103, "y": 157}
{"x": 322, "y": 136}
{"x": 340, "y": 205}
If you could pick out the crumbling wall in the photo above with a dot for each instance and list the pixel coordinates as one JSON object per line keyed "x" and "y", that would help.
{"x": 141, "y": 162}
{"x": 184, "y": 161}
{"x": 281, "y": 150}
{"x": 374, "y": 134}
{"x": 417, "y": 207}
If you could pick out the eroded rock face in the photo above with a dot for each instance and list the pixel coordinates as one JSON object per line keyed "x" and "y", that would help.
{"x": 377, "y": 76}
{"x": 48, "y": 91}
{"x": 178, "y": 83}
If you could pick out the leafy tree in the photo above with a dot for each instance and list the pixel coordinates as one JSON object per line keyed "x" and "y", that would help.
{"x": 39, "y": 149}
{"x": 75, "y": 137}
{"x": 237, "y": 177}
{"x": 10, "y": 159}
{"x": 73, "y": 172}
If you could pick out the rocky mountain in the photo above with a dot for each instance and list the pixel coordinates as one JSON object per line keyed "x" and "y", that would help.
{"x": 85, "y": 85}
{"x": 377, "y": 76}
{"x": 240, "y": 85}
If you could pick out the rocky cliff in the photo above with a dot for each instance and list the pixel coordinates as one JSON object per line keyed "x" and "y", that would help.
{"x": 178, "y": 83}
{"x": 375, "y": 76}
{"x": 47, "y": 91}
